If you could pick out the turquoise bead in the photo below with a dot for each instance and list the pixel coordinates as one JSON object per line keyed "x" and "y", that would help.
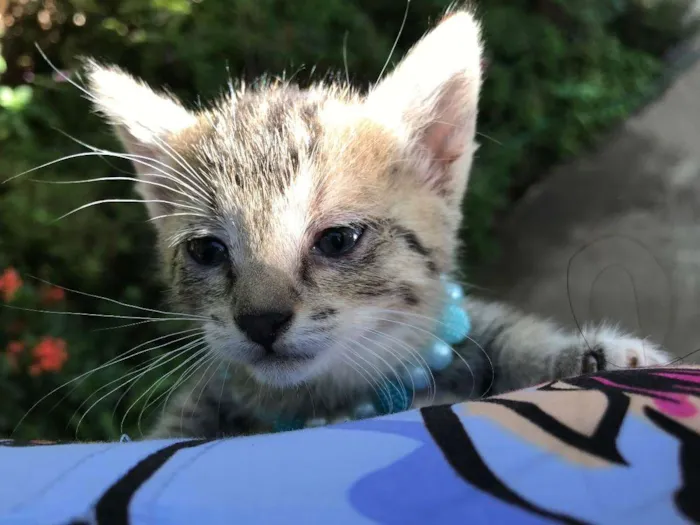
{"x": 440, "y": 356}
{"x": 454, "y": 291}
{"x": 416, "y": 377}
{"x": 364, "y": 411}
{"x": 455, "y": 324}
{"x": 392, "y": 399}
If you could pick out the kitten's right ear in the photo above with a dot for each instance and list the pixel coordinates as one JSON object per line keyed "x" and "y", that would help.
{"x": 142, "y": 119}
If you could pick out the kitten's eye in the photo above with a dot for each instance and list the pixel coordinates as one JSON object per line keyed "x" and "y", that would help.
{"x": 207, "y": 251}
{"x": 335, "y": 242}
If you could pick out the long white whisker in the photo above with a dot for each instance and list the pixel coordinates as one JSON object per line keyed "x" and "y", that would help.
{"x": 108, "y": 316}
{"x": 120, "y": 303}
{"x": 183, "y": 179}
{"x": 184, "y": 376}
{"x": 186, "y": 347}
{"x": 138, "y": 373}
{"x": 211, "y": 360}
{"x": 146, "y": 366}
{"x": 157, "y": 383}
{"x": 396, "y": 42}
{"x": 125, "y": 201}
{"x": 362, "y": 372}
{"x": 92, "y": 98}
{"x": 486, "y": 355}
{"x": 183, "y": 214}
{"x": 400, "y": 361}
{"x": 128, "y": 355}
{"x": 137, "y": 159}
{"x": 384, "y": 384}
{"x": 131, "y": 354}
{"x": 428, "y": 332}
{"x": 111, "y": 179}
{"x": 415, "y": 353}
{"x": 387, "y": 364}
{"x": 195, "y": 356}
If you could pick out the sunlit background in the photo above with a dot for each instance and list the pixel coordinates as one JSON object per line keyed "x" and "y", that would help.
{"x": 559, "y": 75}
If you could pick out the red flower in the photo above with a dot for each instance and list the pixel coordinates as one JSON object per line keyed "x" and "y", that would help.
{"x": 53, "y": 294}
{"x": 14, "y": 348}
{"x": 49, "y": 355}
{"x": 10, "y": 282}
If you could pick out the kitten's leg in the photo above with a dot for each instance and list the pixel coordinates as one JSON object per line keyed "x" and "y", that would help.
{"x": 526, "y": 350}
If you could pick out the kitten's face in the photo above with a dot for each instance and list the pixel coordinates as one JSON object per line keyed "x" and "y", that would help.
{"x": 310, "y": 228}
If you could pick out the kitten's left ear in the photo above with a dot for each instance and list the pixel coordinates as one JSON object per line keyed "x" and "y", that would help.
{"x": 431, "y": 100}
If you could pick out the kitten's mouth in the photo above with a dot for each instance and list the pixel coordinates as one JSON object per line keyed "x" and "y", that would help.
{"x": 272, "y": 358}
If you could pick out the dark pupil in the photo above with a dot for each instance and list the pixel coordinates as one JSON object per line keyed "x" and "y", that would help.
{"x": 337, "y": 241}
{"x": 207, "y": 251}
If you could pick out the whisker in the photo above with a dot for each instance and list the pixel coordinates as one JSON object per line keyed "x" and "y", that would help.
{"x": 223, "y": 385}
{"x": 91, "y": 98}
{"x": 137, "y": 159}
{"x": 362, "y": 372}
{"x": 183, "y": 214}
{"x": 154, "y": 360}
{"x": 384, "y": 385}
{"x": 112, "y": 179}
{"x": 124, "y": 201}
{"x": 120, "y": 303}
{"x": 108, "y": 316}
{"x": 138, "y": 373}
{"x": 130, "y": 354}
{"x": 483, "y": 351}
{"x": 198, "y": 352}
{"x": 396, "y": 42}
{"x": 187, "y": 347}
{"x": 428, "y": 332}
{"x": 400, "y": 361}
{"x": 388, "y": 365}
{"x": 211, "y": 360}
{"x": 432, "y": 389}
{"x": 184, "y": 376}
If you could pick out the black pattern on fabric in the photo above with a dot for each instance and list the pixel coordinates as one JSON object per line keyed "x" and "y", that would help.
{"x": 459, "y": 451}
{"x": 113, "y": 507}
{"x": 658, "y": 403}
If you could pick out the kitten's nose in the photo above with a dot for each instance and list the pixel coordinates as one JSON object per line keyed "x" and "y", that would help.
{"x": 265, "y": 327}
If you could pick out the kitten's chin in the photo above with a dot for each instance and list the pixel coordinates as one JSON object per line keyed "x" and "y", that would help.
{"x": 281, "y": 371}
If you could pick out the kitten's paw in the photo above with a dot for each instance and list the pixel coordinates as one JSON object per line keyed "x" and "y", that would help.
{"x": 606, "y": 349}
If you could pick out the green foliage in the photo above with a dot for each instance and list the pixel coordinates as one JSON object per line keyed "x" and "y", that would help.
{"x": 559, "y": 74}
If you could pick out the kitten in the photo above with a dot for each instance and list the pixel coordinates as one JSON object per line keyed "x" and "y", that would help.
{"x": 310, "y": 228}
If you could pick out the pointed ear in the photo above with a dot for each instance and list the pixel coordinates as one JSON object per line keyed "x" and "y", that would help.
{"x": 431, "y": 100}
{"x": 142, "y": 119}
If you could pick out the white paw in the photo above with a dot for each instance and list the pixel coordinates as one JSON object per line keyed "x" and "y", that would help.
{"x": 611, "y": 350}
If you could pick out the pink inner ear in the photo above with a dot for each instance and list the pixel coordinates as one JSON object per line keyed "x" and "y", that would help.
{"x": 445, "y": 133}
{"x": 442, "y": 140}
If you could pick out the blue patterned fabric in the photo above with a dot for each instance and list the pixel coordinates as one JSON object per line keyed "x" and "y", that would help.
{"x": 619, "y": 447}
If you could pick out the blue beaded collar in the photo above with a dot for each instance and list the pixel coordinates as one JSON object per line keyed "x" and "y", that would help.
{"x": 397, "y": 396}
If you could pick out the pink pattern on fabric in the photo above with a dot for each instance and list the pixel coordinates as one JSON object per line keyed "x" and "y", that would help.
{"x": 676, "y": 405}
{"x": 693, "y": 378}
{"x": 681, "y": 409}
